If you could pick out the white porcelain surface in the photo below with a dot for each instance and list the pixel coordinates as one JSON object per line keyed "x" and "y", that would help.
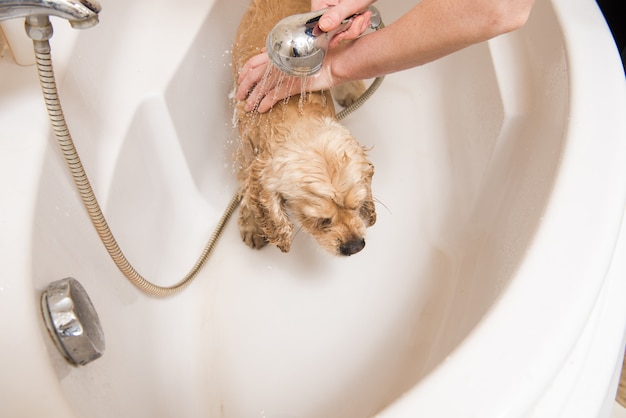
{"x": 491, "y": 284}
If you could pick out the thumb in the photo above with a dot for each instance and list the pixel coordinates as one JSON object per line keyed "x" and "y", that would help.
{"x": 329, "y": 21}
{"x": 335, "y": 15}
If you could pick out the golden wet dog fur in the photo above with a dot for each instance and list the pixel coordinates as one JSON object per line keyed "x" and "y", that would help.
{"x": 297, "y": 164}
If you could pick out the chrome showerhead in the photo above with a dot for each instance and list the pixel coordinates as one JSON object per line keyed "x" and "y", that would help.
{"x": 297, "y": 46}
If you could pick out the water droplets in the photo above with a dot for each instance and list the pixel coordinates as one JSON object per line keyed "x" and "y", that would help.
{"x": 277, "y": 84}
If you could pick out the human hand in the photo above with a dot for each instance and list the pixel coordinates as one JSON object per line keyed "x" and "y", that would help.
{"x": 262, "y": 84}
{"x": 340, "y": 10}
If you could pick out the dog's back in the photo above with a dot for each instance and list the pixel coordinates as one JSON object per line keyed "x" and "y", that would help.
{"x": 256, "y": 128}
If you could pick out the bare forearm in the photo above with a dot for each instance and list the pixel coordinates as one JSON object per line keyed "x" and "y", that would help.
{"x": 431, "y": 30}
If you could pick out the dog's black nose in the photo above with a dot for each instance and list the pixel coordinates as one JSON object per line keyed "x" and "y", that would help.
{"x": 352, "y": 246}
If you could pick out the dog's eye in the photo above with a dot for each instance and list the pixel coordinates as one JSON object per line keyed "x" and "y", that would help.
{"x": 324, "y": 222}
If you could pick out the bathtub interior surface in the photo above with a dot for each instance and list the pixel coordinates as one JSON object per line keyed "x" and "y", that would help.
{"x": 465, "y": 162}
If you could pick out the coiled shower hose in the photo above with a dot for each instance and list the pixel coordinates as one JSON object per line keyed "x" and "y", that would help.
{"x": 72, "y": 159}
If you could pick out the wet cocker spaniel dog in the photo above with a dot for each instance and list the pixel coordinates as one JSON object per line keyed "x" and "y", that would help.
{"x": 297, "y": 165}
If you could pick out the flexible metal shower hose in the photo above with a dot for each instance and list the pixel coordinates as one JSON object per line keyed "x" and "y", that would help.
{"x": 64, "y": 139}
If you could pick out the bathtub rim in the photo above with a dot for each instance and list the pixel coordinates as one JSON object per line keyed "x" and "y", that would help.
{"x": 473, "y": 338}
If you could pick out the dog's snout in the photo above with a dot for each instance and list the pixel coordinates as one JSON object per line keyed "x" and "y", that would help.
{"x": 352, "y": 246}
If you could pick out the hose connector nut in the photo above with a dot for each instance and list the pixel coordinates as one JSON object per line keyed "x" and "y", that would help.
{"x": 38, "y": 27}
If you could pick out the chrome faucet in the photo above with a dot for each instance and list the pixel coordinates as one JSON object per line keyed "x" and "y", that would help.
{"x": 81, "y": 14}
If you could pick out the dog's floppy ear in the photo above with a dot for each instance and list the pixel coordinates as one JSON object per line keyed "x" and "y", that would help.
{"x": 269, "y": 210}
{"x": 368, "y": 209}
{"x": 275, "y": 223}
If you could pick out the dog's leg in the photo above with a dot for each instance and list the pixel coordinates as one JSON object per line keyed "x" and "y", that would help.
{"x": 250, "y": 231}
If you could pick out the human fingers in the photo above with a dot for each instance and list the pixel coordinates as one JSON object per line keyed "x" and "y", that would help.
{"x": 274, "y": 87}
{"x": 269, "y": 100}
{"x": 344, "y": 9}
{"x": 322, "y": 4}
{"x": 251, "y": 73}
{"x": 358, "y": 27}
{"x": 277, "y": 86}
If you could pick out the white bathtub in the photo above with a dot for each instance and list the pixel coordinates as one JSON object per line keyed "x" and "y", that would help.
{"x": 491, "y": 286}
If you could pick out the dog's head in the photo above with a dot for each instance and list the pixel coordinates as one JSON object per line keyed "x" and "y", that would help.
{"x": 320, "y": 178}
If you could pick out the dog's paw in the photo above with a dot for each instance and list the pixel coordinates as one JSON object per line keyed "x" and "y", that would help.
{"x": 346, "y": 94}
{"x": 253, "y": 239}
{"x": 284, "y": 247}
{"x": 251, "y": 233}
